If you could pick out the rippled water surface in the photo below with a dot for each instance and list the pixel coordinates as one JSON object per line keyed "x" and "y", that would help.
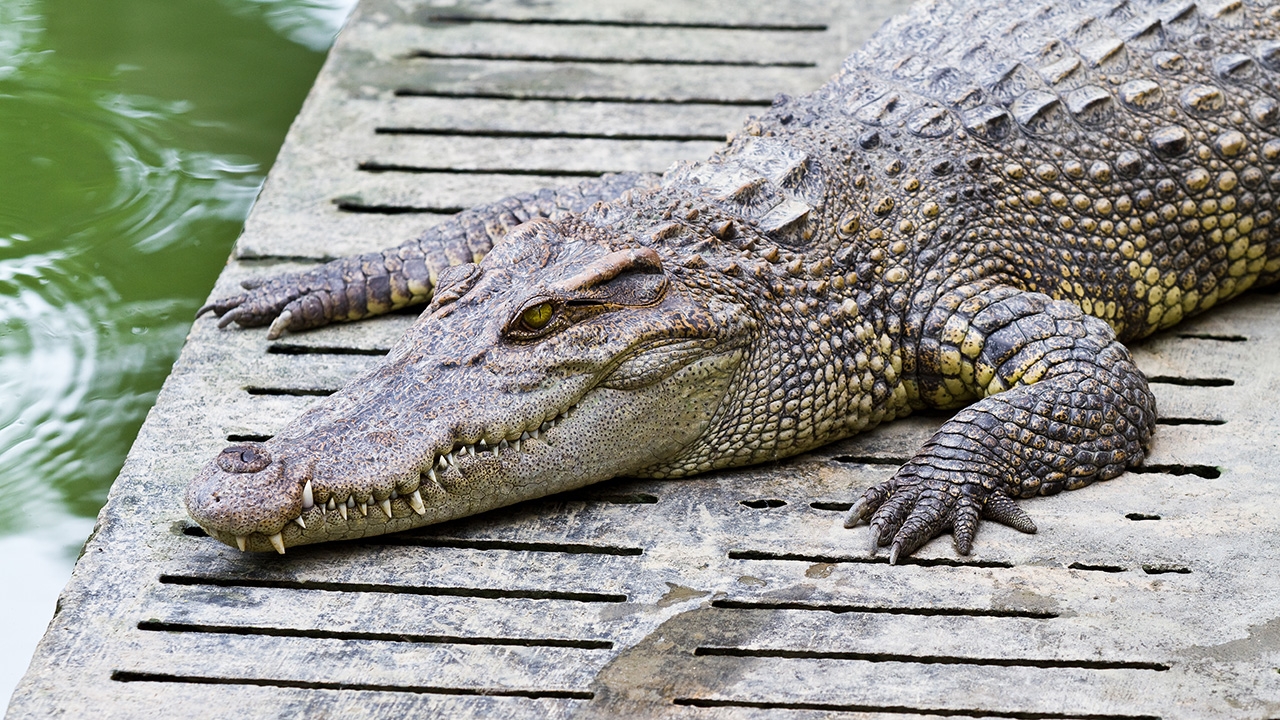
{"x": 133, "y": 137}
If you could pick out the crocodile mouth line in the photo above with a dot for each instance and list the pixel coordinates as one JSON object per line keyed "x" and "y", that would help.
{"x": 441, "y": 463}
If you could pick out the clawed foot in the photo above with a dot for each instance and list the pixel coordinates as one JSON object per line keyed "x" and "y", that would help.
{"x": 906, "y": 512}
{"x": 286, "y": 302}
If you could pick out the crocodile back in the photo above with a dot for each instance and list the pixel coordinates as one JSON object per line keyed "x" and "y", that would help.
{"x": 1120, "y": 155}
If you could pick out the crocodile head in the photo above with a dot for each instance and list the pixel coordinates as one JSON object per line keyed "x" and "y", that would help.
{"x": 568, "y": 356}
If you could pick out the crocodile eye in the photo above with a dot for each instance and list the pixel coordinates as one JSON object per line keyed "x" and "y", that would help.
{"x": 536, "y": 317}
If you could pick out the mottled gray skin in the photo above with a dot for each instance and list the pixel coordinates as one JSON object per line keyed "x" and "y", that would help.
{"x": 976, "y": 211}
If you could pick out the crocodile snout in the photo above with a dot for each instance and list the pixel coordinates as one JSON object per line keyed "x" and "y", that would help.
{"x": 244, "y": 491}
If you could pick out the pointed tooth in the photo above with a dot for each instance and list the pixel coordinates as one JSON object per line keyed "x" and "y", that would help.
{"x": 386, "y": 507}
{"x": 331, "y": 505}
{"x": 515, "y": 445}
{"x": 525, "y": 435}
{"x": 545, "y": 426}
{"x": 277, "y": 542}
{"x": 363, "y": 508}
{"x": 415, "y": 502}
{"x": 308, "y": 497}
{"x": 471, "y": 449}
{"x": 240, "y": 542}
{"x": 394, "y": 494}
{"x": 351, "y": 501}
{"x": 504, "y": 444}
{"x": 343, "y": 509}
{"x": 498, "y": 448}
{"x": 301, "y": 523}
{"x": 432, "y": 474}
{"x": 536, "y": 435}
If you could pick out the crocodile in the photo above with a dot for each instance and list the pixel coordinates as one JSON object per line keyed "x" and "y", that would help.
{"x": 975, "y": 213}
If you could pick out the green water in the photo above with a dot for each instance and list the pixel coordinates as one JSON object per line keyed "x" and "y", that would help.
{"x": 133, "y": 137}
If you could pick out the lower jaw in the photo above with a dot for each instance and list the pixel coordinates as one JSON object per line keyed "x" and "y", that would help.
{"x": 322, "y": 526}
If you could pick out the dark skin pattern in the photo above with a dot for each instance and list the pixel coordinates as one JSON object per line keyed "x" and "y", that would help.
{"x": 975, "y": 212}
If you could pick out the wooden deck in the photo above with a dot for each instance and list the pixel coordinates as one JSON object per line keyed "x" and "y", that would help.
{"x": 732, "y": 595}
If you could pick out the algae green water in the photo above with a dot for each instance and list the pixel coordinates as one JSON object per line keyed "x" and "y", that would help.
{"x": 133, "y": 137}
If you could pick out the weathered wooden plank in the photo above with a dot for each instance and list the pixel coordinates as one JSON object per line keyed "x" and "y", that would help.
{"x": 605, "y": 44}
{"x": 437, "y": 192}
{"x": 598, "y": 119}
{"x": 1189, "y": 401}
{"x": 959, "y": 689}
{"x": 297, "y": 221}
{"x": 1184, "y": 358}
{"x": 717, "y": 13}
{"x": 420, "y": 618}
{"x": 550, "y": 156}
{"x": 577, "y": 81}
{"x": 137, "y": 698}
{"x": 1066, "y": 641}
{"x": 349, "y": 223}
{"x": 431, "y": 668}
{"x": 597, "y": 578}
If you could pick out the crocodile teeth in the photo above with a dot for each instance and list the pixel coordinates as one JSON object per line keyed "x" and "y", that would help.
{"x": 516, "y": 445}
{"x": 546, "y": 426}
{"x": 277, "y": 542}
{"x": 415, "y": 502}
{"x": 308, "y": 498}
{"x": 240, "y": 541}
{"x": 301, "y": 523}
{"x": 363, "y": 508}
{"x": 498, "y": 448}
{"x": 343, "y": 509}
{"x": 431, "y": 474}
{"x": 331, "y": 505}
{"x": 386, "y": 507}
{"x": 525, "y": 435}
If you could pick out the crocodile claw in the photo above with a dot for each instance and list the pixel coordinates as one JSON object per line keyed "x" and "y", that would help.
{"x": 287, "y": 303}
{"x": 905, "y": 513}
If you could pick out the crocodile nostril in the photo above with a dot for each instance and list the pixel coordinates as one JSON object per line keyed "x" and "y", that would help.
{"x": 243, "y": 459}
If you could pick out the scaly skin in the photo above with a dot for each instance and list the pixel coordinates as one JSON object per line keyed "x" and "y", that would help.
{"x": 977, "y": 210}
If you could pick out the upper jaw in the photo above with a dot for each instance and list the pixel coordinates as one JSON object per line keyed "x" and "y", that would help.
{"x": 335, "y": 489}
{"x": 311, "y": 500}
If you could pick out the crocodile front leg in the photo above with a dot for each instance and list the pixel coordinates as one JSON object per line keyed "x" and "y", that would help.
{"x": 360, "y": 286}
{"x": 1062, "y": 405}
